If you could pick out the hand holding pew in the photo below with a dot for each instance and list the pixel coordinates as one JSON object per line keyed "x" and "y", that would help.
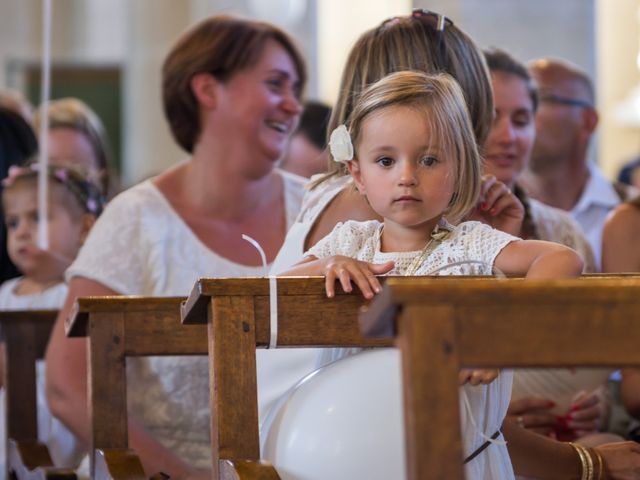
{"x": 25, "y": 334}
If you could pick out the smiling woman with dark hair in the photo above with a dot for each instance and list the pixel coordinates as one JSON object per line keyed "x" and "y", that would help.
{"x": 232, "y": 96}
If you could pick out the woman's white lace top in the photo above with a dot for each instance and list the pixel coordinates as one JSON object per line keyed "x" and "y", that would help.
{"x": 555, "y": 225}
{"x": 473, "y": 241}
{"x": 141, "y": 246}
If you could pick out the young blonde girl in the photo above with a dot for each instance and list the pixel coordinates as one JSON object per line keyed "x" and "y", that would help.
{"x": 416, "y": 162}
{"x": 73, "y": 205}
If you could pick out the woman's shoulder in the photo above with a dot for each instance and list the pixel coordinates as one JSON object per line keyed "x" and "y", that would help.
{"x": 141, "y": 200}
{"x": 547, "y": 216}
{"x": 555, "y": 225}
{"x": 624, "y": 219}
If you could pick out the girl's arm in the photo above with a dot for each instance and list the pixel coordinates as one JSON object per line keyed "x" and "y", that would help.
{"x": 67, "y": 389}
{"x": 344, "y": 269}
{"x": 539, "y": 259}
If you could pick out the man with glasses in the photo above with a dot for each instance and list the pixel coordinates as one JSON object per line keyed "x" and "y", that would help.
{"x": 559, "y": 173}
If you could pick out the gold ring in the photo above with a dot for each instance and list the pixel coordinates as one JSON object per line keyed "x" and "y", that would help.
{"x": 520, "y": 421}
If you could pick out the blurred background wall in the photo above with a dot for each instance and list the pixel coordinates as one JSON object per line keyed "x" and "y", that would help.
{"x": 109, "y": 52}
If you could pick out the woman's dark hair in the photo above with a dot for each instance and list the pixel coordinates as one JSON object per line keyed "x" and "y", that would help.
{"x": 220, "y": 45}
{"x": 500, "y": 61}
{"x": 17, "y": 143}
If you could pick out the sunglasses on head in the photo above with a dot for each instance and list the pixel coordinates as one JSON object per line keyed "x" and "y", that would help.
{"x": 433, "y": 19}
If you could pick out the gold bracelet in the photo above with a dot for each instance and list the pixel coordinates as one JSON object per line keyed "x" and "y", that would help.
{"x": 600, "y": 463}
{"x": 586, "y": 460}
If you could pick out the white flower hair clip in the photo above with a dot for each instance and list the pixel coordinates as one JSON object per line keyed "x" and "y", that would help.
{"x": 340, "y": 145}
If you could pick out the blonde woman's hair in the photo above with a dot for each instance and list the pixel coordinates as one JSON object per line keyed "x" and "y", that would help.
{"x": 441, "y": 101}
{"x": 76, "y": 115}
{"x": 409, "y": 43}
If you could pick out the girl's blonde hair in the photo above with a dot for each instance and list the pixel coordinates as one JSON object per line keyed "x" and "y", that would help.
{"x": 441, "y": 100}
{"x": 75, "y": 114}
{"x": 411, "y": 43}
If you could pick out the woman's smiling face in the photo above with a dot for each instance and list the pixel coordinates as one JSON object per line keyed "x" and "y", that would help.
{"x": 511, "y": 138}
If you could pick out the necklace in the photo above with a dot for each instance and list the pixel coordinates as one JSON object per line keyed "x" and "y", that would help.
{"x": 438, "y": 233}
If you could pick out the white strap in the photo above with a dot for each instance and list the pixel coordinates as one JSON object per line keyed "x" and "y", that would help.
{"x": 273, "y": 293}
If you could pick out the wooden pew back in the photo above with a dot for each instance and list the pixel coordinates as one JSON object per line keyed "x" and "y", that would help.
{"x": 117, "y": 328}
{"x": 25, "y": 335}
{"x": 238, "y": 314}
{"x": 441, "y": 328}
{"x": 454, "y": 322}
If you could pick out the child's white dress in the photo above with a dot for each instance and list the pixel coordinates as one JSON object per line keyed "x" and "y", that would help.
{"x": 469, "y": 241}
{"x": 62, "y": 444}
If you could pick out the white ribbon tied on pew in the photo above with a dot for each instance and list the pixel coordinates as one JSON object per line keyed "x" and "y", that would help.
{"x": 273, "y": 293}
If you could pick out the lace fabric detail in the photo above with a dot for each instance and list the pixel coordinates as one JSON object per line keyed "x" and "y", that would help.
{"x": 555, "y": 225}
{"x": 466, "y": 241}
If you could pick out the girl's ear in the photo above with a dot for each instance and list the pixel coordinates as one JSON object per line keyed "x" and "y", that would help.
{"x": 204, "y": 88}
{"x": 356, "y": 174}
{"x": 87, "y": 222}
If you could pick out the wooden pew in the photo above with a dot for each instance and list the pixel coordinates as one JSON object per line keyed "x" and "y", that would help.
{"x": 237, "y": 311}
{"x": 444, "y": 322}
{"x": 493, "y": 324}
{"x": 120, "y": 327}
{"x": 25, "y": 335}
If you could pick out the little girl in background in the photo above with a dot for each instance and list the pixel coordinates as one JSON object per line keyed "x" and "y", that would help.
{"x": 416, "y": 161}
{"x": 73, "y": 206}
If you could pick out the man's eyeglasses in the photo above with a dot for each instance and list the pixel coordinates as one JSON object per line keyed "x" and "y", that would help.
{"x": 572, "y": 102}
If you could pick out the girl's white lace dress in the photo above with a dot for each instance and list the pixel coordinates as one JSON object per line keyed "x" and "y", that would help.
{"x": 468, "y": 241}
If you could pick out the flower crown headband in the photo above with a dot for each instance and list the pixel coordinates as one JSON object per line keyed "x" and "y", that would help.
{"x": 87, "y": 194}
{"x": 340, "y": 145}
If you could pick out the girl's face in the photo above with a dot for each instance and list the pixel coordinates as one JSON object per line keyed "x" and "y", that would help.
{"x": 510, "y": 140}
{"x": 66, "y": 231}
{"x": 260, "y": 105}
{"x": 402, "y": 169}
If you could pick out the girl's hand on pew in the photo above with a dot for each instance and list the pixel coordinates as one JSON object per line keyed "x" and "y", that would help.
{"x": 347, "y": 270}
{"x": 477, "y": 377}
{"x": 622, "y": 460}
{"x": 534, "y": 413}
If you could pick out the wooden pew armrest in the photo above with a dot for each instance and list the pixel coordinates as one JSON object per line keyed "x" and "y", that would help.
{"x": 117, "y": 464}
{"x": 30, "y": 460}
{"x": 247, "y": 470}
